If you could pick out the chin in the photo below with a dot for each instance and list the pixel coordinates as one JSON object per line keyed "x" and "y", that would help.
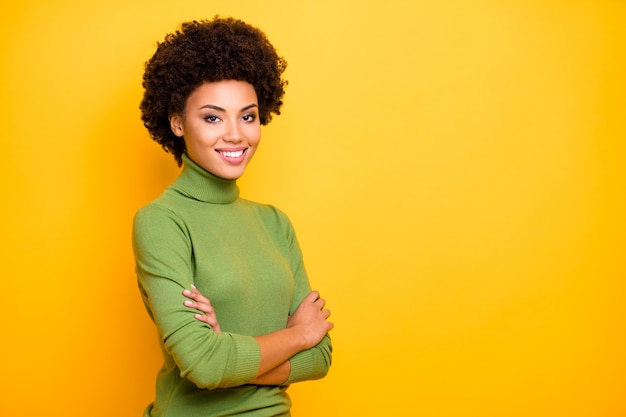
{"x": 230, "y": 175}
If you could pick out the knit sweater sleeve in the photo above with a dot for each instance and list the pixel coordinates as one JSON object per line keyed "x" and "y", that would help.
{"x": 163, "y": 254}
{"x": 312, "y": 363}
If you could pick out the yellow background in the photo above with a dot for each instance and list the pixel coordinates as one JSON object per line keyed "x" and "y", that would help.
{"x": 454, "y": 169}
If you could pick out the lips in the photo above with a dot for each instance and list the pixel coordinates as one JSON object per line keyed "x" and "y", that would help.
{"x": 232, "y": 155}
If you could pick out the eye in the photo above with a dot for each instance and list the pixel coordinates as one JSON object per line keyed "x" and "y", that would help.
{"x": 212, "y": 119}
{"x": 249, "y": 117}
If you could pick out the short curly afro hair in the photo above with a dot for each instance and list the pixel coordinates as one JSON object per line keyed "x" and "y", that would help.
{"x": 208, "y": 51}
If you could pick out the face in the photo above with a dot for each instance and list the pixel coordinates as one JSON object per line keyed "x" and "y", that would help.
{"x": 220, "y": 127}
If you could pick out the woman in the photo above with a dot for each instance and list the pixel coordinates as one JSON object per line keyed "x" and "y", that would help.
{"x": 222, "y": 277}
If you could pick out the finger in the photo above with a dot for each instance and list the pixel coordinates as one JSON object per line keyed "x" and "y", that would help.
{"x": 312, "y": 296}
{"x": 206, "y": 308}
{"x": 211, "y": 320}
{"x": 195, "y": 291}
{"x": 190, "y": 294}
{"x": 194, "y": 294}
{"x": 199, "y": 298}
{"x": 320, "y": 302}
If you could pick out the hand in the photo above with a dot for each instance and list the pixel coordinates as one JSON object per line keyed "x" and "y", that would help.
{"x": 202, "y": 304}
{"x": 312, "y": 319}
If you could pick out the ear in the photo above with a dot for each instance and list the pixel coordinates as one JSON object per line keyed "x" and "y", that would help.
{"x": 176, "y": 124}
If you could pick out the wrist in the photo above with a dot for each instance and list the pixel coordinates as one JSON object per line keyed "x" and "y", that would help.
{"x": 298, "y": 338}
{"x": 275, "y": 376}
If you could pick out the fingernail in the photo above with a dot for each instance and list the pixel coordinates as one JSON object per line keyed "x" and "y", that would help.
{"x": 193, "y": 286}
{"x": 186, "y": 292}
{"x": 198, "y": 316}
{"x": 187, "y": 303}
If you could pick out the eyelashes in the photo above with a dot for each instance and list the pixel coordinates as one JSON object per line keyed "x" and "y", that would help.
{"x": 248, "y": 118}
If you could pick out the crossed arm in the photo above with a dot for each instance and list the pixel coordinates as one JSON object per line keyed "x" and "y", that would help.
{"x": 305, "y": 329}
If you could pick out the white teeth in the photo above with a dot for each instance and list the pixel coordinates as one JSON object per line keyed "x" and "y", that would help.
{"x": 232, "y": 154}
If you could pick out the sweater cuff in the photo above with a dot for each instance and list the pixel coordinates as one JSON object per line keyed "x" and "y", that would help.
{"x": 248, "y": 359}
{"x": 303, "y": 367}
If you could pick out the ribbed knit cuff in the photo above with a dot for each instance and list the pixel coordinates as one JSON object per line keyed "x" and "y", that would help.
{"x": 304, "y": 367}
{"x": 248, "y": 360}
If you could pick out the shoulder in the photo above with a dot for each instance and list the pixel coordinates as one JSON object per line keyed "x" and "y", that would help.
{"x": 267, "y": 212}
{"x": 155, "y": 209}
{"x": 274, "y": 219}
{"x": 160, "y": 214}
{"x": 167, "y": 204}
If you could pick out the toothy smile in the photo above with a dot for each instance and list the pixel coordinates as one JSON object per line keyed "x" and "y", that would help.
{"x": 231, "y": 154}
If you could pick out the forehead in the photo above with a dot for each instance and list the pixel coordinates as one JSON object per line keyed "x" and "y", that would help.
{"x": 225, "y": 94}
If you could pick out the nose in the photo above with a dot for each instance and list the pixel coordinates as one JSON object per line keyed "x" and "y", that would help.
{"x": 233, "y": 132}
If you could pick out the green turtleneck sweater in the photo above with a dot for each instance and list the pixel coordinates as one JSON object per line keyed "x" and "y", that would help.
{"x": 245, "y": 258}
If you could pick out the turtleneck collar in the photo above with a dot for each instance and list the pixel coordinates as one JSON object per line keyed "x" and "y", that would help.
{"x": 199, "y": 184}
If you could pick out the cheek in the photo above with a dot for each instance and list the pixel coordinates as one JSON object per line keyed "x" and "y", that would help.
{"x": 254, "y": 136}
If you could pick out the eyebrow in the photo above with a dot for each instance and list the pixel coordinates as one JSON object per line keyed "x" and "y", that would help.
{"x": 218, "y": 108}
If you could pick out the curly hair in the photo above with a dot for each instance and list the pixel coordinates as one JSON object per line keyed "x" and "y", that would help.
{"x": 208, "y": 51}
